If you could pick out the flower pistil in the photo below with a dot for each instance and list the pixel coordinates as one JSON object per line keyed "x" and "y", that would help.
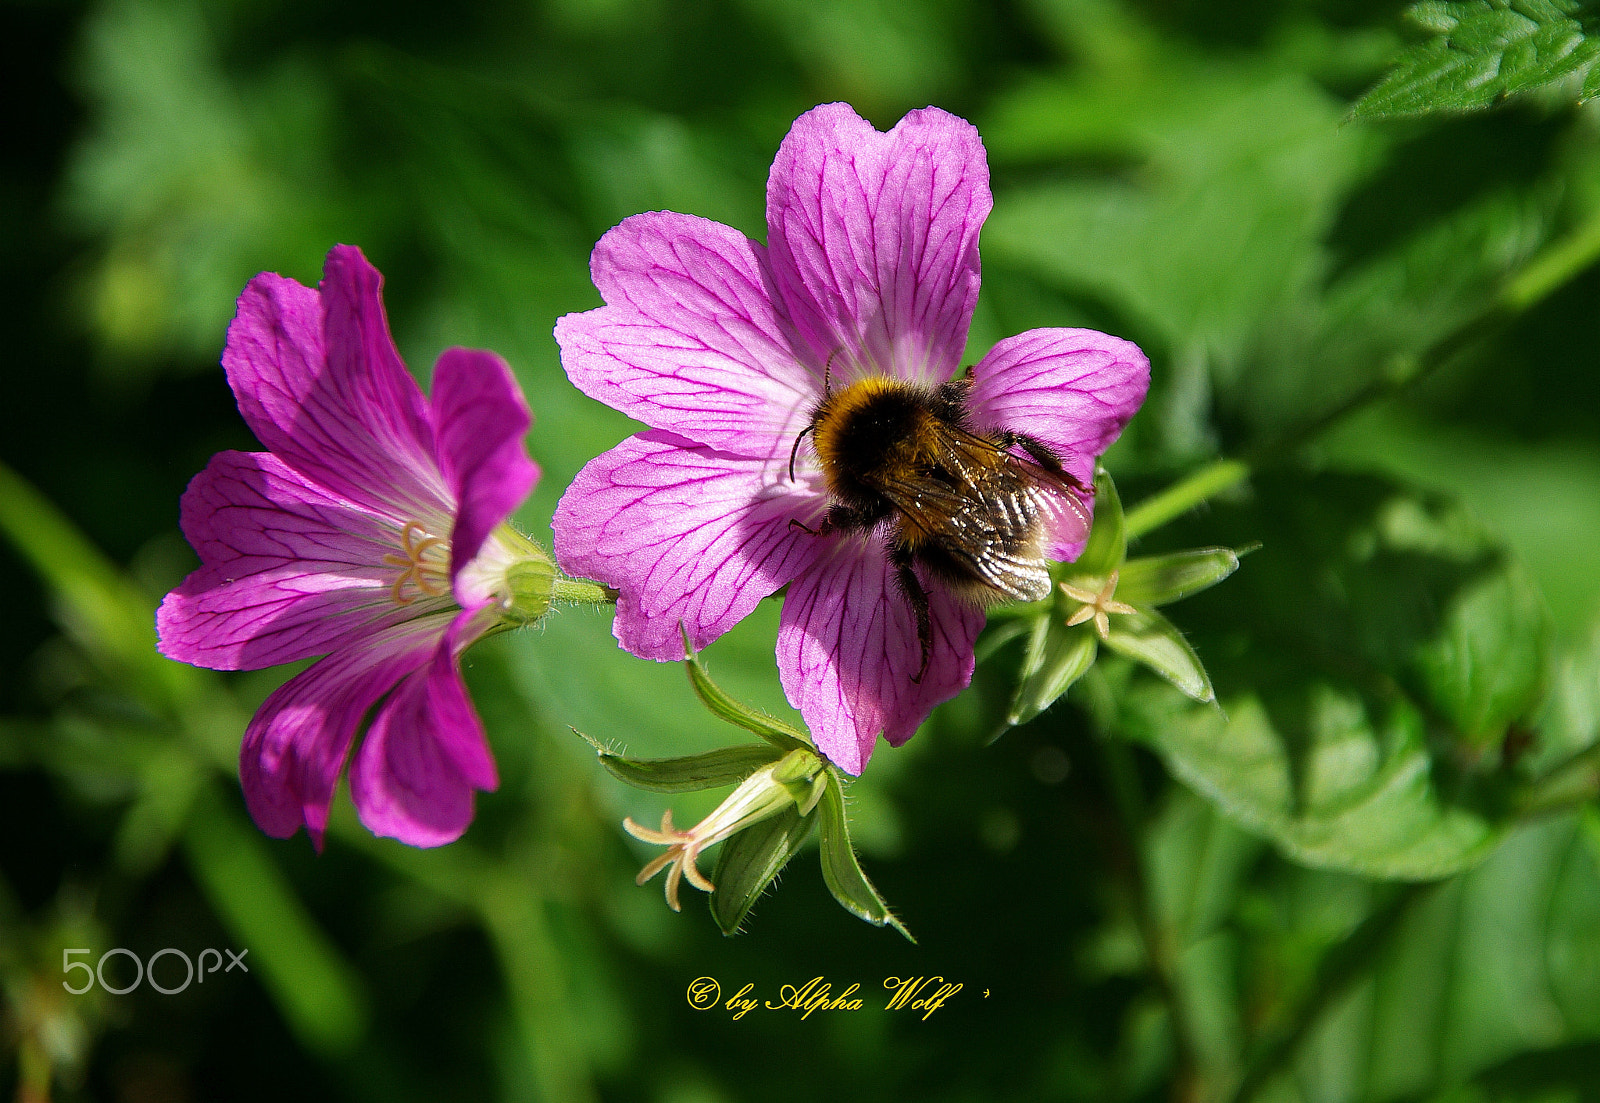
{"x": 425, "y": 565}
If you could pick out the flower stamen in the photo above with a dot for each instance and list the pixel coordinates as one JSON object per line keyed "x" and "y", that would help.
{"x": 1097, "y": 605}
{"x": 425, "y": 565}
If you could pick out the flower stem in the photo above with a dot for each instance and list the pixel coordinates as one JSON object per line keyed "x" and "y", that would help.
{"x": 1546, "y": 273}
{"x": 580, "y": 591}
{"x": 1183, "y": 495}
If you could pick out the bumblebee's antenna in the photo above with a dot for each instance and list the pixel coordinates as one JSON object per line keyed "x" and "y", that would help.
{"x": 795, "y": 451}
{"x": 826, "y": 388}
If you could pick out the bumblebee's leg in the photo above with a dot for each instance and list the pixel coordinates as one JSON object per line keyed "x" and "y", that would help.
{"x": 1041, "y": 454}
{"x": 900, "y": 557}
{"x": 843, "y": 518}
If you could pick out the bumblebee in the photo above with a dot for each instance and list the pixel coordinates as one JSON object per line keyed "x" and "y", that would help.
{"x": 956, "y": 500}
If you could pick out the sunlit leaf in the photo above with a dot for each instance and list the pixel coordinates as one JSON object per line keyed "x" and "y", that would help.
{"x": 1331, "y": 784}
{"x": 1150, "y": 638}
{"x": 1057, "y": 656}
{"x": 1357, "y": 700}
{"x": 1501, "y": 961}
{"x": 1480, "y": 53}
{"x": 1108, "y": 540}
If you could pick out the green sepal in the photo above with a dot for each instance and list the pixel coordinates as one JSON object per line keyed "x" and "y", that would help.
{"x": 750, "y": 860}
{"x": 1150, "y": 638}
{"x": 840, "y": 867}
{"x": 1108, "y": 539}
{"x": 690, "y": 773}
{"x": 1163, "y": 579}
{"x": 1057, "y": 656}
{"x": 803, "y": 773}
{"x": 721, "y": 705}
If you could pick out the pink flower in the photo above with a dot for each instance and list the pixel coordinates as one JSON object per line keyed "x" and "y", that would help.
{"x": 724, "y": 348}
{"x": 371, "y": 532}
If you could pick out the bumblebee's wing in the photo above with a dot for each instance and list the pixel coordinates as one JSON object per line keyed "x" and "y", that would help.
{"x": 1062, "y": 513}
{"x": 991, "y": 514}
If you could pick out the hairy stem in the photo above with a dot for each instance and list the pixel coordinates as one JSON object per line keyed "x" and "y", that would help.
{"x": 581, "y": 591}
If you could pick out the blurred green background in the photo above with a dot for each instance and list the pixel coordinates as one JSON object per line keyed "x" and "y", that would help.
{"x": 1173, "y": 171}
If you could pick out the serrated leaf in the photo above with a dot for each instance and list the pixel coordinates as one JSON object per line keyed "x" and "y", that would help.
{"x": 690, "y": 773}
{"x": 1482, "y": 52}
{"x": 1163, "y": 579}
{"x": 734, "y": 712}
{"x": 1150, "y": 638}
{"x": 750, "y": 860}
{"x": 840, "y": 867}
{"x": 1057, "y": 656}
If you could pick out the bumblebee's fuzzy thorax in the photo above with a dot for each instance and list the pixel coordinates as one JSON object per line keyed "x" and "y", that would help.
{"x": 875, "y": 425}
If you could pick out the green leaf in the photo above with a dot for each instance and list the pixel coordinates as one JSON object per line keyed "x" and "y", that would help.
{"x": 750, "y": 860}
{"x": 1379, "y": 641}
{"x": 1501, "y": 961}
{"x": 1163, "y": 579}
{"x": 840, "y": 867}
{"x": 1331, "y": 784}
{"x": 1150, "y": 638}
{"x": 1481, "y": 52}
{"x": 689, "y": 773}
{"x": 1237, "y": 173}
{"x": 1057, "y": 656}
{"x": 773, "y": 731}
{"x": 1487, "y": 667}
{"x": 97, "y": 607}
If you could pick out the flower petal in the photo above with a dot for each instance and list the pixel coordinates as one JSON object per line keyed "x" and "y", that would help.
{"x": 873, "y": 239}
{"x": 685, "y": 534}
{"x": 296, "y": 744}
{"x": 288, "y": 570}
{"x": 1072, "y": 389}
{"x": 425, "y": 753}
{"x": 480, "y": 418}
{"x": 847, "y": 651}
{"x": 320, "y": 384}
{"x": 689, "y": 340}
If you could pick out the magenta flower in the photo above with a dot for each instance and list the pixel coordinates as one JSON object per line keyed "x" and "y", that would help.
{"x": 725, "y": 349}
{"x": 371, "y": 533}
